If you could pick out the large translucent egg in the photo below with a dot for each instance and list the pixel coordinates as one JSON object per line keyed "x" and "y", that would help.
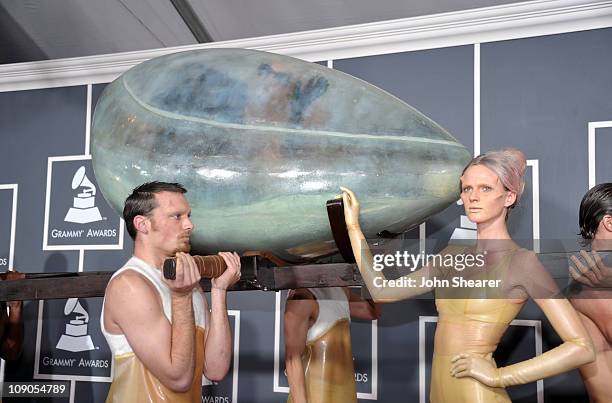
{"x": 261, "y": 141}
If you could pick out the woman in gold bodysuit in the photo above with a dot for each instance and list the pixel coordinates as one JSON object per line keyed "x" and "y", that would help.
{"x": 471, "y": 324}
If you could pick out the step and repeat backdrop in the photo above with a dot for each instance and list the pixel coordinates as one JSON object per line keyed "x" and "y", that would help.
{"x": 545, "y": 95}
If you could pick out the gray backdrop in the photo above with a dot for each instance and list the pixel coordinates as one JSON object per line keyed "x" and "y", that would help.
{"x": 537, "y": 94}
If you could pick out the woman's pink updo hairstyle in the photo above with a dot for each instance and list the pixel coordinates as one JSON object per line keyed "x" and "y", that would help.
{"x": 509, "y": 164}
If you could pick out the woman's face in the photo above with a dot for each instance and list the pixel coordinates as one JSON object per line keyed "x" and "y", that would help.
{"x": 484, "y": 197}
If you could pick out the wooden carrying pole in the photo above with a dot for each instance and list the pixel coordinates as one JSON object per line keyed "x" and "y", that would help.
{"x": 255, "y": 276}
{"x": 93, "y": 284}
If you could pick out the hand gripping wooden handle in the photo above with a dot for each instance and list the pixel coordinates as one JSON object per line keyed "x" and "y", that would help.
{"x": 210, "y": 266}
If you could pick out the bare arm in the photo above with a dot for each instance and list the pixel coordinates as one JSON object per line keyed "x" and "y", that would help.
{"x": 218, "y": 342}
{"x": 373, "y": 279}
{"x": 11, "y": 343}
{"x": 299, "y": 311}
{"x": 362, "y": 308}
{"x": 134, "y": 305}
{"x": 576, "y": 349}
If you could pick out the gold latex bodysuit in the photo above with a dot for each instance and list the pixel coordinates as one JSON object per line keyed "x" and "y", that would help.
{"x": 328, "y": 356}
{"x": 132, "y": 381}
{"x": 476, "y": 326}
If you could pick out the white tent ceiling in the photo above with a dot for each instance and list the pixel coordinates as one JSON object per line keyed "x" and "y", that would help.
{"x": 51, "y": 29}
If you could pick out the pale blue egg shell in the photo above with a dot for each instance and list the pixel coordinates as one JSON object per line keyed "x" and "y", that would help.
{"x": 261, "y": 141}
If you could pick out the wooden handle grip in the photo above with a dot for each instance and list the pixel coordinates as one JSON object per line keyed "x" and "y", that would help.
{"x": 210, "y": 266}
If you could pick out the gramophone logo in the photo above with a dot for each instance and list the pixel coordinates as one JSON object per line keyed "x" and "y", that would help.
{"x": 76, "y": 215}
{"x": 75, "y": 337}
{"x": 83, "y": 208}
{"x": 65, "y": 337}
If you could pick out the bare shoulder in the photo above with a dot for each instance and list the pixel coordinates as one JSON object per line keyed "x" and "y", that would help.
{"x": 301, "y": 304}
{"x": 300, "y": 294}
{"x": 129, "y": 289}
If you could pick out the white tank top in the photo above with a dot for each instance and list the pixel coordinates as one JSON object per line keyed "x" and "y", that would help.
{"x": 333, "y": 306}
{"x": 118, "y": 343}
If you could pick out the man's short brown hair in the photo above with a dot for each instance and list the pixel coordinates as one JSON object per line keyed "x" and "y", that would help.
{"x": 142, "y": 201}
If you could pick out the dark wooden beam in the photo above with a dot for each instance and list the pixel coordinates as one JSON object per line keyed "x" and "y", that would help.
{"x": 254, "y": 277}
{"x": 93, "y": 284}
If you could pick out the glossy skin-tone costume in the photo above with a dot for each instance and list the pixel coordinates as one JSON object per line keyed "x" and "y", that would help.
{"x": 161, "y": 333}
{"x": 132, "y": 381}
{"x": 469, "y": 330}
{"x": 319, "y": 357}
{"x": 594, "y": 298}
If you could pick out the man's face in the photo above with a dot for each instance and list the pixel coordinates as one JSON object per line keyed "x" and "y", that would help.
{"x": 171, "y": 225}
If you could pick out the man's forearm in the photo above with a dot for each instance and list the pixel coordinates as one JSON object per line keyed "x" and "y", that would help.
{"x": 295, "y": 376}
{"x": 182, "y": 349}
{"x": 11, "y": 348}
{"x": 219, "y": 338}
{"x": 13, "y": 338}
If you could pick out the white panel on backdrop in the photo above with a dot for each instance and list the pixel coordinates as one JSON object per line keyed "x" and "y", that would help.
{"x": 82, "y": 220}
{"x": 68, "y": 345}
{"x": 213, "y": 396}
{"x": 593, "y": 126}
{"x": 8, "y": 215}
{"x": 7, "y": 251}
{"x": 535, "y": 194}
